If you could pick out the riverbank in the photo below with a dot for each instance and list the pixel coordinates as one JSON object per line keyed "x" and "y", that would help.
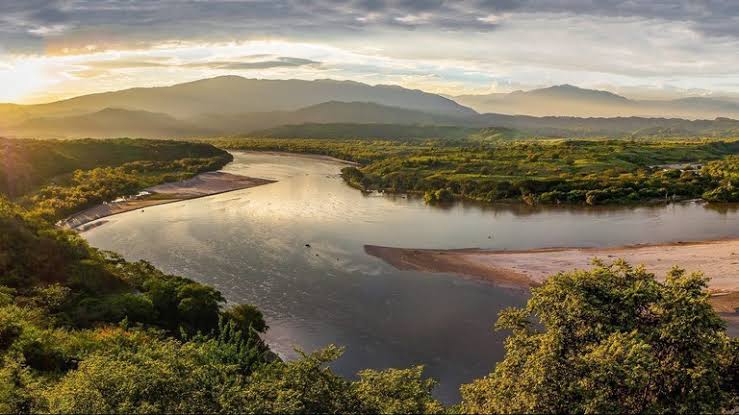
{"x": 202, "y": 185}
{"x": 718, "y": 260}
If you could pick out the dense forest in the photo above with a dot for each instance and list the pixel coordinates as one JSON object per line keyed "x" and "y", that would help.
{"x": 85, "y": 331}
{"x": 489, "y": 168}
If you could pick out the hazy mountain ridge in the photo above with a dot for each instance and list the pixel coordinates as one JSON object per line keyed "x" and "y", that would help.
{"x": 215, "y": 107}
{"x": 234, "y": 95}
{"x": 568, "y": 100}
{"x": 326, "y": 113}
{"x": 111, "y": 123}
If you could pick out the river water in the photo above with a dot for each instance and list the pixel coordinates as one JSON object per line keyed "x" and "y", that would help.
{"x": 251, "y": 245}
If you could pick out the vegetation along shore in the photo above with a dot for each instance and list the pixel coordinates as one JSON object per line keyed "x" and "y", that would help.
{"x": 493, "y": 168}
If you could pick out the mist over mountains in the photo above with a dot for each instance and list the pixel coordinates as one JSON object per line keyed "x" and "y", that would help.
{"x": 231, "y": 105}
{"x": 568, "y": 100}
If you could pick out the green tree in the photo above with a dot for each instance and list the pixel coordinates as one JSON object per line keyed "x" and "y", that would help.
{"x": 198, "y": 306}
{"x": 612, "y": 339}
{"x": 396, "y": 391}
{"x": 152, "y": 377}
{"x": 246, "y": 317}
{"x": 303, "y": 386}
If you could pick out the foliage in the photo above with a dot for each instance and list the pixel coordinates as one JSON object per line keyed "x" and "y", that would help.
{"x": 612, "y": 340}
{"x": 25, "y": 165}
{"x": 246, "y": 317}
{"x": 396, "y": 391}
{"x": 56, "y": 192}
{"x": 438, "y": 196}
{"x": 491, "y": 169}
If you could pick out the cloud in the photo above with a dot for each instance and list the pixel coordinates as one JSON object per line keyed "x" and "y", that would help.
{"x": 258, "y": 61}
{"x": 124, "y": 64}
{"x": 280, "y": 62}
{"x": 28, "y": 23}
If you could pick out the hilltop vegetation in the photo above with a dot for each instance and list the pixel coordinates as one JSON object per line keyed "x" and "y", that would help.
{"x": 85, "y": 331}
{"x": 57, "y": 178}
{"x": 487, "y": 168}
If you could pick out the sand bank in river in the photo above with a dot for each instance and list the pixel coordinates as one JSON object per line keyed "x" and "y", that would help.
{"x": 716, "y": 259}
{"x": 205, "y": 184}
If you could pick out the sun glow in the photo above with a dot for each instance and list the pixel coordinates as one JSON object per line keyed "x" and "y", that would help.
{"x": 23, "y": 78}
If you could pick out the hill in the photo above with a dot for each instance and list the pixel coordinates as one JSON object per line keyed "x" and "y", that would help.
{"x": 613, "y": 126}
{"x": 110, "y": 123}
{"x": 327, "y": 112}
{"x": 364, "y": 131}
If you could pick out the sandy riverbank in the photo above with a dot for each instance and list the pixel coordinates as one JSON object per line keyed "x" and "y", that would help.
{"x": 718, "y": 260}
{"x": 202, "y": 185}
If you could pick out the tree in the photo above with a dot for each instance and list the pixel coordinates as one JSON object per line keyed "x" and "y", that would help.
{"x": 303, "y": 386}
{"x": 612, "y": 339}
{"x": 396, "y": 391}
{"x": 198, "y": 306}
{"x": 246, "y": 317}
{"x": 153, "y": 376}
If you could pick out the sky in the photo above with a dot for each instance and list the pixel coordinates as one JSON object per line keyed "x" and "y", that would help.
{"x": 55, "y": 49}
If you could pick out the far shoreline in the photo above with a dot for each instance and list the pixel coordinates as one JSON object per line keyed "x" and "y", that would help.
{"x": 314, "y": 156}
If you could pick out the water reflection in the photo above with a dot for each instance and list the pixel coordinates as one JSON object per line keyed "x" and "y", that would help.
{"x": 251, "y": 245}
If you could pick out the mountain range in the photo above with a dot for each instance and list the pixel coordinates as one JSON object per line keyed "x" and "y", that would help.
{"x": 568, "y": 100}
{"x": 231, "y": 105}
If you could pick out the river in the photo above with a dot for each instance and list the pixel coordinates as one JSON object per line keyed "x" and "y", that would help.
{"x": 252, "y": 246}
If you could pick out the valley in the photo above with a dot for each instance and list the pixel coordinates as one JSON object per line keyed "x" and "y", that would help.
{"x": 313, "y": 215}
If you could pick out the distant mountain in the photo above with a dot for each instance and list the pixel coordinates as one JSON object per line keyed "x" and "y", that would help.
{"x": 236, "y": 95}
{"x": 568, "y": 100}
{"x": 364, "y": 131}
{"x": 327, "y": 112}
{"x": 110, "y": 123}
{"x": 12, "y": 114}
{"x": 613, "y": 126}
{"x": 237, "y": 106}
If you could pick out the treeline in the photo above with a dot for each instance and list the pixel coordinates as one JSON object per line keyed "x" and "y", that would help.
{"x": 57, "y": 178}
{"x": 547, "y": 171}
